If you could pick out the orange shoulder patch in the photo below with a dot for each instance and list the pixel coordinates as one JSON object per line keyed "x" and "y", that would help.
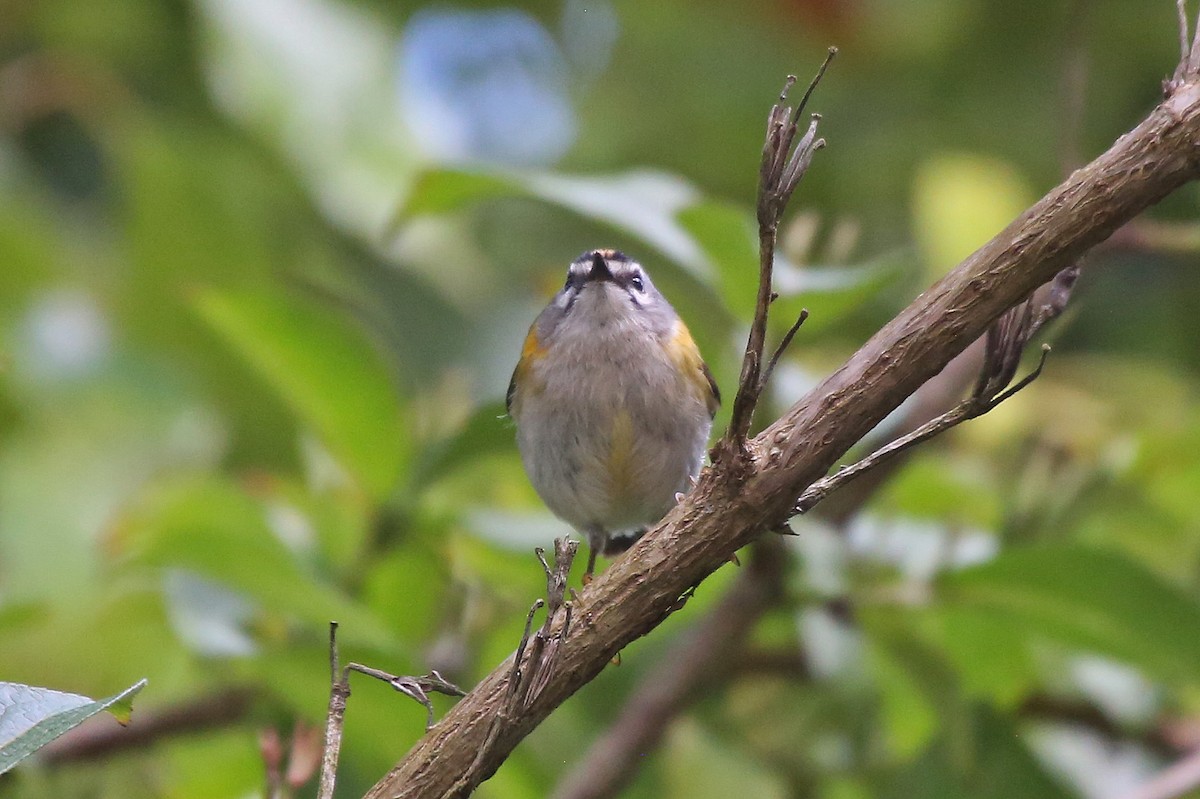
{"x": 532, "y": 351}
{"x": 687, "y": 357}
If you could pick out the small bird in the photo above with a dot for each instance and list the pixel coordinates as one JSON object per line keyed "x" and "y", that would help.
{"x": 612, "y": 401}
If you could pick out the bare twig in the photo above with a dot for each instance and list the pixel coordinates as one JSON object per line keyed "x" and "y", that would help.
{"x": 415, "y": 688}
{"x": 784, "y": 162}
{"x": 973, "y": 407}
{"x": 1003, "y": 345}
{"x": 1181, "y": 12}
{"x": 335, "y": 718}
{"x": 784, "y": 343}
{"x": 529, "y": 675}
{"x": 1189, "y": 61}
{"x": 1053, "y": 297}
{"x": 545, "y": 642}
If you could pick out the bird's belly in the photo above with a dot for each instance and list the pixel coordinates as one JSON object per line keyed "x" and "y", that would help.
{"x": 613, "y": 456}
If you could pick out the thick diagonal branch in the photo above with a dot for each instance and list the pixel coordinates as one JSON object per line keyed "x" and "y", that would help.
{"x": 726, "y": 511}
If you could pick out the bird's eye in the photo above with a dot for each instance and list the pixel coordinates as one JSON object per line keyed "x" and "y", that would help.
{"x": 637, "y": 282}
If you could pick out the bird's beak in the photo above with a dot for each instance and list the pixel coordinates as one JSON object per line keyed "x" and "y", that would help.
{"x": 599, "y": 270}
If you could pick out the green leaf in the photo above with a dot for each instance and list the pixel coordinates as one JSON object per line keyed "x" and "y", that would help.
{"x": 32, "y": 717}
{"x": 947, "y": 486}
{"x": 920, "y": 689}
{"x": 999, "y": 765}
{"x": 487, "y": 431}
{"x": 326, "y": 372}
{"x": 190, "y": 760}
{"x": 727, "y": 234}
{"x": 989, "y": 652}
{"x": 697, "y": 765}
{"x": 642, "y": 203}
{"x": 1005, "y": 766}
{"x": 439, "y": 191}
{"x": 407, "y": 587}
{"x": 214, "y": 529}
{"x": 1090, "y": 598}
{"x": 830, "y": 293}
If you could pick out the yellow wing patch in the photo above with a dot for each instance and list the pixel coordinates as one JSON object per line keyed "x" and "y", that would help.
{"x": 687, "y": 357}
{"x": 532, "y": 351}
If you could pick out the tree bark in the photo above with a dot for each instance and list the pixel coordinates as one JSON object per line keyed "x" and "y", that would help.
{"x": 751, "y": 489}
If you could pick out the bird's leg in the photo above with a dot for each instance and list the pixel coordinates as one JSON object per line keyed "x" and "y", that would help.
{"x": 596, "y": 538}
{"x": 591, "y": 566}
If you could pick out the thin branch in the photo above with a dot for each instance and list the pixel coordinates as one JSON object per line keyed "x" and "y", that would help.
{"x": 1003, "y": 345}
{"x": 528, "y": 676}
{"x": 415, "y": 688}
{"x": 1189, "y": 62}
{"x": 736, "y": 499}
{"x": 784, "y": 162}
{"x": 1053, "y": 297}
{"x": 1157, "y": 737}
{"x": 546, "y": 641}
{"x": 784, "y": 343}
{"x": 335, "y": 718}
{"x": 971, "y": 408}
{"x": 1181, "y": 12}
{"x": 473, "y": 775}
{"x": 930, "y": 401}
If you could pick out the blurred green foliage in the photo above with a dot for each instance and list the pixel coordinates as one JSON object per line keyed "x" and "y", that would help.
{"x": 255, "y": 331}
